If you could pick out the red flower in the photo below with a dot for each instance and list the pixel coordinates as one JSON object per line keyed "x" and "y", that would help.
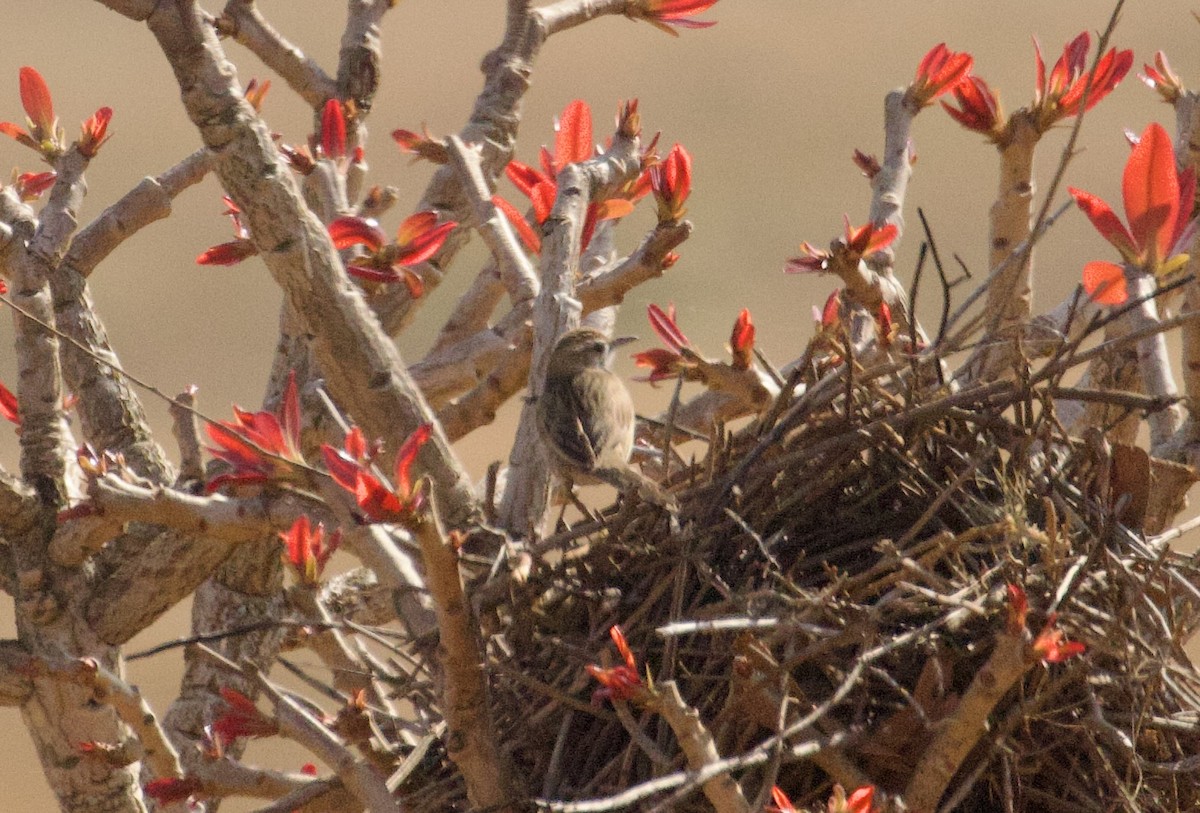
{"x": 860, "y": 801}
{"x": 939, "y": 71}
{"x": 235, "y": 251}
{"x": 866, "y": 240}
{"x": 355, "y": 444}
{"x": 621, "y": 682}
{"x": 517, "y": 220}
{"x": 782, "y": 804}
{"x": 356, "y": 231}
{"x": 42, "y": 133}
{"x": 421, "y": 146}
{"x": 741, "y": 341}
{"x": 978, "y": 108}
{"x": 419, "y": 237}
{"x": 1162, "y": 79}
{"x": 671, "y": 181}
{"x": 307, "y": 552}
{"x": 665, "y": 326}
{"x": 1060, "y": 94}
{"x": 1052, "y": 645}
{"x": 35, "y": 98}
{"x": 235, "y": 217}
{"x": 868, "y": 164}
{"x": 629, "y": 120}
{"x": 230, "y": 253}
{"x": 572, "y": 144}
{"x": 611, "y": 209}
{"x": 8, "y": 406}
{"x": 884, "y": 323}
{"x": 242, "y": 719}
{"x": 298, "y": 158}
{"x": 856, "y": 243}
{"x": 255, "y": 93}
{"x": 663, "y": 363}
{"x": 829, "y": 318}
{"x": 95, "y": 132}
{"x": 667, "y": 14}
{"x": 169, "y": 790}
{"x": 572, "y": 136}
{"x": 668, "y": 362}
{"x": 378, "y": 502}
{"x": 31, "y": 185}
{"x": 333, "y": 130}
{"x": 260, "y": 446}
{"x": 1158, "y": 206}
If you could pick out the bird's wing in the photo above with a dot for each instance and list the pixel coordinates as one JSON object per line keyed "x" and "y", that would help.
{"x": 613, "y": 439}
{"x": 573, "y": 440}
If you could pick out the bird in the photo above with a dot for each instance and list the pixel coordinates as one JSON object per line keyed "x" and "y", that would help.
{"x": 585, "y": 417}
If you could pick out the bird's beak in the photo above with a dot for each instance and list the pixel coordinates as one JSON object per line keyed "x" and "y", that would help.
{"x": 620, "y": 341}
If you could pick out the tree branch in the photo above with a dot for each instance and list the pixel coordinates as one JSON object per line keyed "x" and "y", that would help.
{"x": 470, "y": 735}
{"x": 242, "y": 21}
{"x": 362, "y": 367}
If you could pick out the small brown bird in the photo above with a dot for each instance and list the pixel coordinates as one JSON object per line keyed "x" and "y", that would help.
{"x": 585, "y": 416}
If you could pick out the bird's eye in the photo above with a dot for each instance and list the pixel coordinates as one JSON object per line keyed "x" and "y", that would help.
{"x": 598, "y": 347}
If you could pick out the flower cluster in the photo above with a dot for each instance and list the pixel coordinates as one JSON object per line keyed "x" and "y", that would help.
{"x": 42, "y": 132}
{"x": 259, "y": 446}
{"x": 306, "y": 549}
{"x": 572, "y": 144}
{"x": 618, "y": 683}
{"x": 419, "y": 237}
{"x": 379, "y": 503}
{"x": 856, "y": 243}
{"x": 1067, "y": 90}
{"x": 1158, "y": 206}
{"x": 1051, "y": 644}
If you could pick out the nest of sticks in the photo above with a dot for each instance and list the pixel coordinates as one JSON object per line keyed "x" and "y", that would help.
{"x": 835, "y": 606}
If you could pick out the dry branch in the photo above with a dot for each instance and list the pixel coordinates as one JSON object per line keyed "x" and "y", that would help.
{"x": 471, "y": 736}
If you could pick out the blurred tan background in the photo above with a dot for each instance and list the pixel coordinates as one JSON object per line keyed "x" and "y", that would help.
{"x": 771, "y": 102}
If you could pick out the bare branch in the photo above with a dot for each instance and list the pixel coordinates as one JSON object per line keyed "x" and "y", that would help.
{"x": 472, "y": 311}
{"x": 963, "y": 730}
{"x": 350, "y": 673}
{"x": 242, "y": 21}
{"x": 722, "y": 790}
{"x": 146, "y": 203}
{"x": 360, "y": 53}
{"x": 516, "y": 273}
{"x": 470, "y": 736}
{"x": 187, "y": 436}
{"x": 158, "y": 754}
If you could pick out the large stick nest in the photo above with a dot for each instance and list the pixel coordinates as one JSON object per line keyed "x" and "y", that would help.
{"x": 840, "y": 574}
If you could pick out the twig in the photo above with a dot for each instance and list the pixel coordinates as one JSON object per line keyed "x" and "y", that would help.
{"x": 187, "y": 436}
{"x": 722, "y": 790}
{"x": 242, "y": 21}
{"x": 516, "y": 273}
